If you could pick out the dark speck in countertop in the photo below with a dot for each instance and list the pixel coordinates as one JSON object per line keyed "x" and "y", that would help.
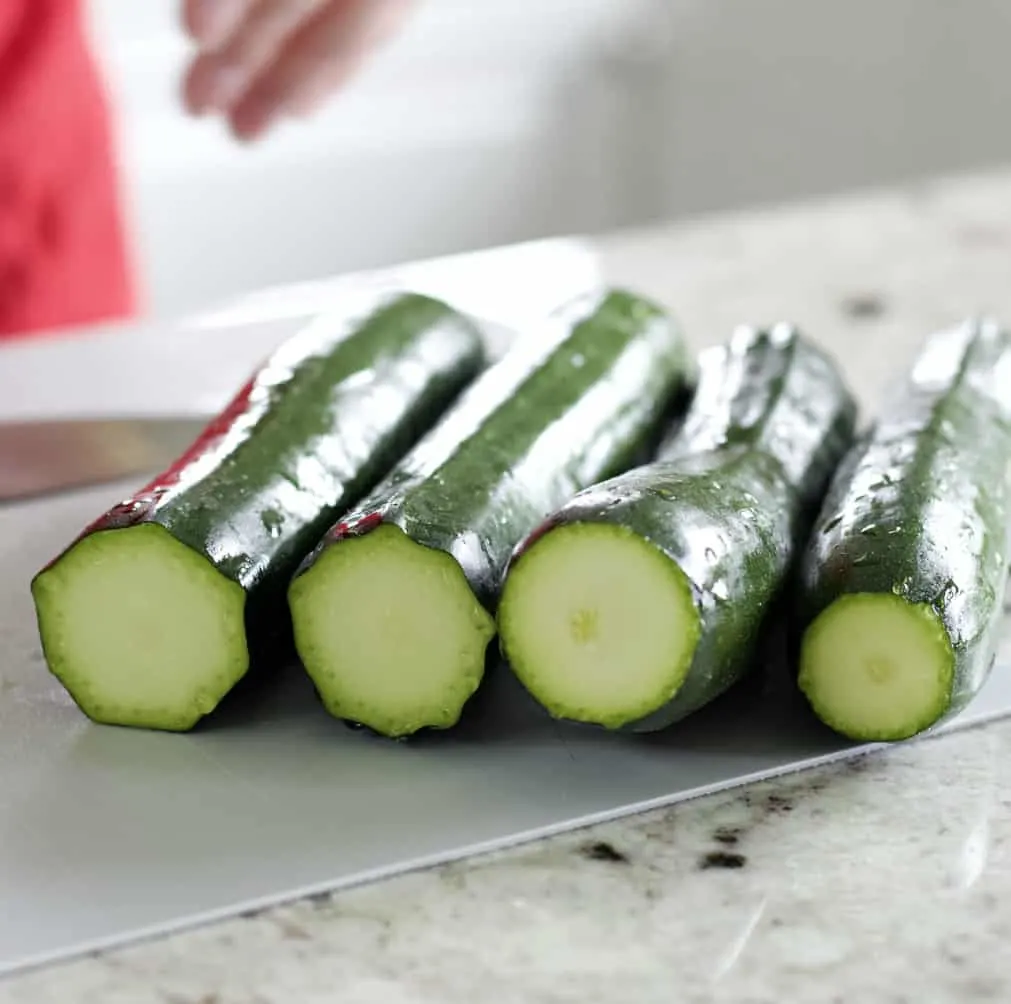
{"x": 722, "y": 859}
{"x": 727, "y": 835}
{"x": 864, "y": 307}
{"x": 603, "y": 851}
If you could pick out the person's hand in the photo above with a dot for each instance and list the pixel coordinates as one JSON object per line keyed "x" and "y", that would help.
{"x": 262, "y": 60}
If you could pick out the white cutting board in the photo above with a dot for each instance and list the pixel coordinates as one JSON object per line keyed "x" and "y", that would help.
{"x": 107, "y": 834}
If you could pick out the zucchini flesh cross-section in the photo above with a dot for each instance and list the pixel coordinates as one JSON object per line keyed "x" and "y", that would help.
{"x": 876, "y": 667}
{"x": 390, "y": 632}
{"x": 601, "y": 626}
{"x": 176, "y": 644}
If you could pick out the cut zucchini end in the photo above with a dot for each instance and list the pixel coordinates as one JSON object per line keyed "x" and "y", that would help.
{"x": 876, "y": 668}
{"x": 390, "y": 632}
{"x": 598, "y": 624}
{"x": 141, "y": 630}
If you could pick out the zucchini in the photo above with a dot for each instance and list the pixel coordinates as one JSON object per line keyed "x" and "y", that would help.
{"x": 392, "y": 612}
{"x": 642, "y": 599}
{"x": 147, "y": 618}
{"x": 904, "y": 577}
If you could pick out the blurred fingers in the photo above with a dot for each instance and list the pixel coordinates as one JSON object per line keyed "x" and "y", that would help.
{"x": 316, "y": 58}
{"x": 210, "y": 22}
{"x": 245, "y": 36}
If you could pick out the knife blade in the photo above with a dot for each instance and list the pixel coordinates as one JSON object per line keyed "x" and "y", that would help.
{"x": 50, "y": 456}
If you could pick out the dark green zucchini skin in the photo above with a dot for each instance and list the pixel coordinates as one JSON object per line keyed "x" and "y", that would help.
{"x": 921, "y": 506}
{"x": 584, "y": 400}
{"x": 313, "y": 430}
{"x": 731, "y": 494}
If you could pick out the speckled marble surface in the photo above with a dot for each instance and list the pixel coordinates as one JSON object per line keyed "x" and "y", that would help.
{"x": 884, "y": 880}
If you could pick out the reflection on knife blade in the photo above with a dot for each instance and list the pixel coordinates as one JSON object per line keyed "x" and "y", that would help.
{"x": 43, "y": 457}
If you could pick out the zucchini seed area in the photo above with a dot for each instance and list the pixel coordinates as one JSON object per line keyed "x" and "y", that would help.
{"x": 140, "y": 629}
{"x": 598, "y": 624}
{"x": 390, "y": 632}
{"x": 876, "y": 667}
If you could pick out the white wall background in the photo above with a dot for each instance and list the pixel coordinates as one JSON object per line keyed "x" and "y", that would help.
{"x": 492, "y": 121}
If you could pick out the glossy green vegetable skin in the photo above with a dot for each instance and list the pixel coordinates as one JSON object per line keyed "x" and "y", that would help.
{"x": 149, "y": 617}
{"x": 583, "y": 399}
{"x": 726, "y": 505}
{"x": 913, "y": 538}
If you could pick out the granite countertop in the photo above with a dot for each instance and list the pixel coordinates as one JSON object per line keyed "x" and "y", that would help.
{"x": 887, "y": 879}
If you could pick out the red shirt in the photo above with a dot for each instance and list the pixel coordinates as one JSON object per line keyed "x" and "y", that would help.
{"x": 63, "y": 258}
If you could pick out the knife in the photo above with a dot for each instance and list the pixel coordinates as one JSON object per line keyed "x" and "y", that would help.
{"x": 44, "y": 457}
